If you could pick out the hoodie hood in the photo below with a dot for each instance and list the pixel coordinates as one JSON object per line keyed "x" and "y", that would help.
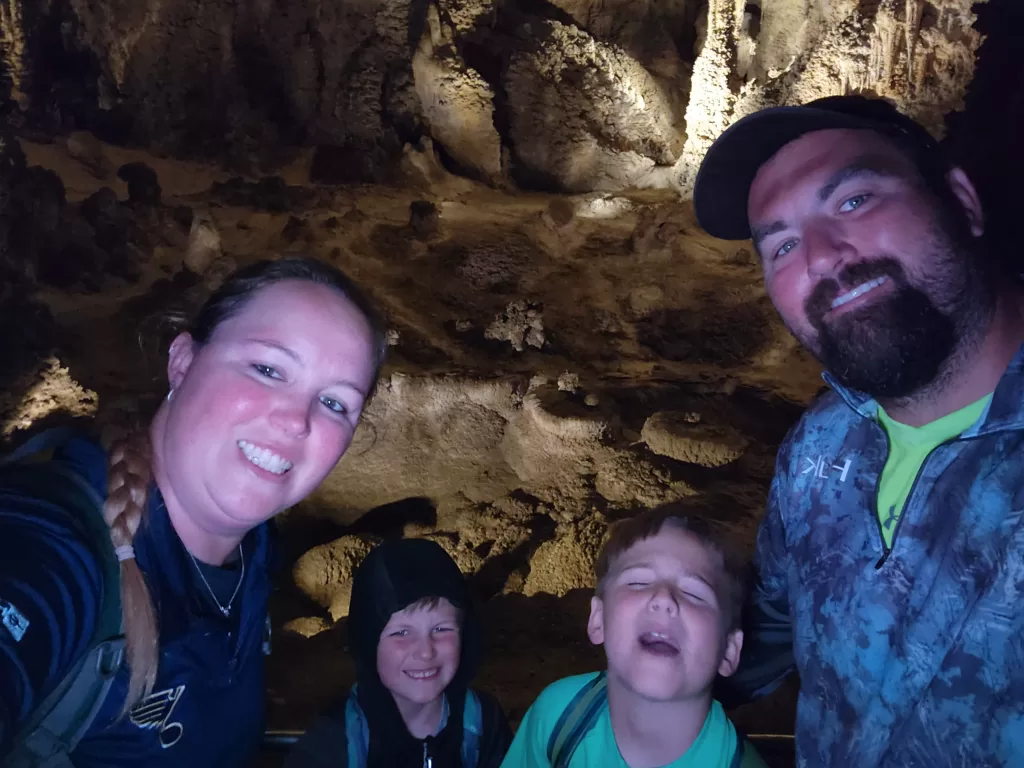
{"x": 393, "y": 576}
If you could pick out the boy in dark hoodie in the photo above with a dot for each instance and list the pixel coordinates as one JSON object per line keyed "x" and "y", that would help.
{"x": 416, "y": 642}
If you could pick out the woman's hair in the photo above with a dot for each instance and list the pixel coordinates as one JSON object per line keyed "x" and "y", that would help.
{"x": 130, "y": 458}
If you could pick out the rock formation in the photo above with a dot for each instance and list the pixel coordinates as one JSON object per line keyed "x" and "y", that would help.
{"x": 575, "y": 95}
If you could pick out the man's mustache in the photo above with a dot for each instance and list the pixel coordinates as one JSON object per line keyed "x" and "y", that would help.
{"x": 829, "y": 289}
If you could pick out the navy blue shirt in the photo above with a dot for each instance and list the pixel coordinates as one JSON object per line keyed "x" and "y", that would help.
{"x": 207, "y": 707}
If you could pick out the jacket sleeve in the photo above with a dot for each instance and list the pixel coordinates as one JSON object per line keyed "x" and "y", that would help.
{"x": 767, "y": 657}
{"x": 324, "y": 744}
{"x": 50, "y": 595}
{"x": 496, "y": 734}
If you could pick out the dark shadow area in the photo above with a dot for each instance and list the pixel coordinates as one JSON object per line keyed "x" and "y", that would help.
{"x": 389, "y": 520}
{"x": 496, "y": 571}
{"x": 60, "y": 79}
{"x": 986, "y": 138}
{"x": 298, "y": 533}
{"x": 268, "y": 94}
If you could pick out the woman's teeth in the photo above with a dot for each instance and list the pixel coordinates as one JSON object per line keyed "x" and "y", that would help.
{"x": 860, "y": 290}
{"x": 425, "y": 675}
{"x": 264, "y": 459}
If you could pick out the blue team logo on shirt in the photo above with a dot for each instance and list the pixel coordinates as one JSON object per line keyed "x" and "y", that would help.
{"x": 155, "y": 711}
{"x": 13, "y": 620}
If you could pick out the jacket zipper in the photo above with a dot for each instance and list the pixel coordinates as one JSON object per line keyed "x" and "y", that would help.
{"x": 874, "y": 503}
{"x": 886, "y": 551}
{"x": 428, "y": 761}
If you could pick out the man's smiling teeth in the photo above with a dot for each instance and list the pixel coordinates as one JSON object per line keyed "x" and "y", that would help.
{"x": 422, "y": 675}
{"x": 264, "y": 459}
{"x": 860, "y": 290}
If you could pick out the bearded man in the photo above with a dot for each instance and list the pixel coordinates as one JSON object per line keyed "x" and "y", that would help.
{"x": 890, "y": 560}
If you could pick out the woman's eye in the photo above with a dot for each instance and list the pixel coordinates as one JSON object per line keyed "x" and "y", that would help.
{"x": 695, "y": 597}
{"x": 399, "y": 633}
{"x": 266, "y": 370}
{"x": 333, "y": 404}
{"x": 785, "y": 248}
{"x": 853, "y": 203}
{"x": 442, "y": 629}
{"x": 639, "y": 584}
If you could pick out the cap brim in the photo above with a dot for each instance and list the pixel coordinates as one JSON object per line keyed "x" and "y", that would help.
{"x": 723, "y": 182}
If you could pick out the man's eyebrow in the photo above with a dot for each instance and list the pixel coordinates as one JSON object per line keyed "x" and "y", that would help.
{"x": 758, "y": 234}
{"x": 866, "y": 165}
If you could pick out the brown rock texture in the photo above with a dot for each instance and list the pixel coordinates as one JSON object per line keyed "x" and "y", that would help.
{"x": 584, "y": 114}
{"x": 682, "y": 437}
{"x": 325, "y": 573}
{"x": 576, "y": 95}
{"x": 918, "y": 54}
{"x": 457, "y": 104}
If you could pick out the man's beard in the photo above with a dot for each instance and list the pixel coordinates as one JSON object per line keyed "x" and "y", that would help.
{"x": 900, "y": 345}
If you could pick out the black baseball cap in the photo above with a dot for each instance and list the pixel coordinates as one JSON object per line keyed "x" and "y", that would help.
{"x": 729, "y": 167}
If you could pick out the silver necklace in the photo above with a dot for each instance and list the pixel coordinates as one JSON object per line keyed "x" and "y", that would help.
{"x": 225, "y": 609}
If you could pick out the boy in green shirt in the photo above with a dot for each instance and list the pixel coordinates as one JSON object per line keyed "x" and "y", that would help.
{"x": 667, "y": 610}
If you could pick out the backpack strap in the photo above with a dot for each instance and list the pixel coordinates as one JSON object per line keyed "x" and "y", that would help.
{"x": 65, "y": 715}
{"x": 576, "y": 721}
{"x": 357, "y": 732}
{"x": 60, "y": 720}
{"x": 472, "y": 729}
{"x": 39, "y": 447}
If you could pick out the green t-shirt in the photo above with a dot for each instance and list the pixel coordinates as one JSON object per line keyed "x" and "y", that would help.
{"x": 714, "y": 747}
{"x": 908, "y": 448}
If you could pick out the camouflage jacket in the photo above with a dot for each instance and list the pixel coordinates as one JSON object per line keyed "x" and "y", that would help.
{"x": 912, "y": 656}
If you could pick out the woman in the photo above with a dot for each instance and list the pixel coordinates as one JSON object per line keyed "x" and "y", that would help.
{"x": 266, "y": 391}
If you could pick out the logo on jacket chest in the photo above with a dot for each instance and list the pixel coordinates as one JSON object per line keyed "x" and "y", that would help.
{"x": 824, "y": 468}
{"x": 155, "y": 712}
{"x": 13, "y": 620}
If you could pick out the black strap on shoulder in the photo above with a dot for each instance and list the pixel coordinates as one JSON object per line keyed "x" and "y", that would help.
{"x": 61, "y": 719}
{"x": 64, "y": 716}
{"x": 737, "y": 757}
{"x": 576, "y": 721}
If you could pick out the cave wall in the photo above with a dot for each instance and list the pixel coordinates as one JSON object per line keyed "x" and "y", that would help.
{"x": 571, "y": 95}
{"x": 916, "y": 53}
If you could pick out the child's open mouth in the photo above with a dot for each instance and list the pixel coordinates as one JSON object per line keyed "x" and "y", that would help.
{"x": 659, "y": 644}
{"x": 424, "y": 674}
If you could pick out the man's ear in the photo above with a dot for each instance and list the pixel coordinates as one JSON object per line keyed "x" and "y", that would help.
{"x": 731, "y": 657}
{"x": 179, "y": 358}
{"x": 595, "y": 625}
{"x": 968, "y": 196}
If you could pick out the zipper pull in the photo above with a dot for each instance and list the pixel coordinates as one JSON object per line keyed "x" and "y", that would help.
{"x": 428, "y": 761}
